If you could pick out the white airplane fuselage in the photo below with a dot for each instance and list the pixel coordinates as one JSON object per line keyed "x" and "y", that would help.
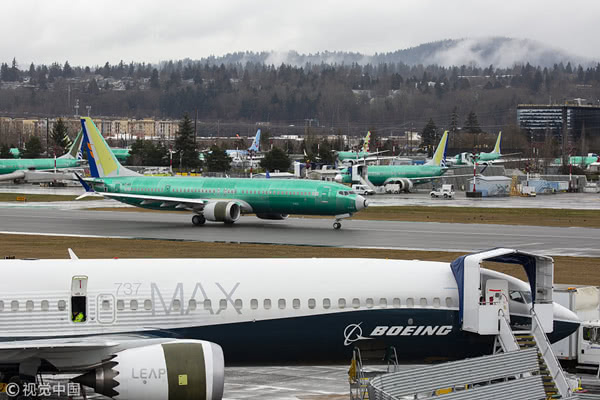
{"x": 257, "y": 310}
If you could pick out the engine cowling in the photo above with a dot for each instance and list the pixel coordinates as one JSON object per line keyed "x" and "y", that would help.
{"x": 272, "y": 216}
{"x": 177, "y": 370}
{"x": 405, "y": 185}
{"x": 223, "y": 211}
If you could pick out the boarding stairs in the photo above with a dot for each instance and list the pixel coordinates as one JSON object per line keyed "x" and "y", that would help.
{"x": 359, "y": 376}
{"x": 360, "y": 176}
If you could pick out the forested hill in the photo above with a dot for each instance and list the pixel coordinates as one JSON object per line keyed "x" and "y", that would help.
{"x": 497, "y": 51}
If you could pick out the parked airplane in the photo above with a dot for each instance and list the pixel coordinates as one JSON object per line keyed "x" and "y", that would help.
{"x": 120, "y": 154}
{"x": 11, "y": 169}
{"x": 580, "y": 161}
{"x": 353, "y": 157}
{"x": 481, "y": 158}
{"x": 132, "y": 329}
{"x": 214, "y": 199}
{"x": 404, "y": 175}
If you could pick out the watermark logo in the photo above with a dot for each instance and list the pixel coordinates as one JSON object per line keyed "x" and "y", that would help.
{"x": 32, "y": 389}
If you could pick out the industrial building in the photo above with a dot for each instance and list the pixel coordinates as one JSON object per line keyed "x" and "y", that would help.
{"x": 539, "y": 120}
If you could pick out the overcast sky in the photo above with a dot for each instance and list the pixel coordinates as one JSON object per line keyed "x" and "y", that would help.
{"x": 93, "y": 32}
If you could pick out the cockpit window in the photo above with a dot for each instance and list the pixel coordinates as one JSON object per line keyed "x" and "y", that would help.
{"x": 591, "y": 335}
{"x": 520, "y": 297}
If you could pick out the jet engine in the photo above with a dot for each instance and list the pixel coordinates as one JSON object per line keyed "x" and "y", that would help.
{"x": 405, "y": 184}
{"x": 177, "y": 370}
{"x": 272, "y": 216}
{"x": 223, "y": 211}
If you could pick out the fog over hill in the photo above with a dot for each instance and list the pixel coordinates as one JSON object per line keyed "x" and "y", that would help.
{"x": 482, "y": 52}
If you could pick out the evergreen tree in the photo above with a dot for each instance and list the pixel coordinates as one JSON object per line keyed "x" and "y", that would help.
{"x": 92, "y": 87}
{"x": 217, "y": 160}
{"x": 185, "y": 147}
{"x": 154, "y": 81}
{"x": 59, "y": 137}
{"x": 276, "y": 159}
{"x": 472, "y": 124}
{"x": 428, "y": 136}
{"x": 33, "y": 148}
{"x": 67, "y": 70}
{"x": 5, "y": 152}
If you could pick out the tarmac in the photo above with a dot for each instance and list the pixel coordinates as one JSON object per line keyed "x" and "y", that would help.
{"x": 431, "y": 236}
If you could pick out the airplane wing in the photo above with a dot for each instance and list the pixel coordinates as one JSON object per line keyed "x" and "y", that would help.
{"x": 183, "y": 203}
{"x": 38, "y": 176}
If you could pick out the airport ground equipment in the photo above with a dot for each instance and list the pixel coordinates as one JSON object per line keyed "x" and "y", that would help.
{"x": 583, "y": 346}
{"x": 446, "y": 192}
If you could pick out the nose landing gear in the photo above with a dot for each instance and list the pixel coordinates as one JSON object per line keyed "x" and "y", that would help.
{"x": 338, "y": 218}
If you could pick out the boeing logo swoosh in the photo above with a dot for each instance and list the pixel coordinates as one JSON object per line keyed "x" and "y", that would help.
{"x": 353, "y": 333}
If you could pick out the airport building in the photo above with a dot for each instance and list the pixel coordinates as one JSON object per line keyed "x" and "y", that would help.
{"x": 539, "y": 120}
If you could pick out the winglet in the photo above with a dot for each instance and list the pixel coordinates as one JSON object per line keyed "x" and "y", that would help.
{"x": 440, "y": 152}
{"x": 497, "y": 147}
{"x": 72, "y": 254}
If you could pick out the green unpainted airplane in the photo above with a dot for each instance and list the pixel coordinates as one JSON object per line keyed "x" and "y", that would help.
{"x": 121, "y": 154}
{"x": 358, "y": 156}
{"x": 404, "y": 175}
{"x": 481, "y": 158}
{"x": 583, "y": 161}
{"x": 213, "y": 199}
{"x": 17, "y": 168}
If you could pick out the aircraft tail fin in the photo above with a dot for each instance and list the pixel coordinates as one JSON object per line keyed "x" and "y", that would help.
{"x": 440, "y": 153}
{"x": 366, "y": 142}
{"x": 497, "y": 146}
{"x": 102, "y": 161}
{"x": 255, "y": 147}
{"x": 75, "y": 149}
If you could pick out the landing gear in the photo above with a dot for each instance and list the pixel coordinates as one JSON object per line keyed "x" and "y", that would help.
{"x": 337, "y": 224}
{"x": 198, "y": 220}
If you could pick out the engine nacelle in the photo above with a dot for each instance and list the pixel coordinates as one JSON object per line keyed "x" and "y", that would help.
{"x": 405, "y": 185}
{"x": 177, "y": 370}
{"x": 272, "y": 216}
{"x": 223, "y": 211}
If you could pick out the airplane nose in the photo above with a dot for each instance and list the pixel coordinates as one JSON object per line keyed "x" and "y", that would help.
{"x": 338, "y": 178}
{"x": 565, "y": 323}
{"x": 361, "y": 203}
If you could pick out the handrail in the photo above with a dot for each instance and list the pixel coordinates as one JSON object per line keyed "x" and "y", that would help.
{"x": 556, "y": 371}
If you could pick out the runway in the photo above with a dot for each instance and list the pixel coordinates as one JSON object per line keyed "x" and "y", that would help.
{"x": 304, "y": 231}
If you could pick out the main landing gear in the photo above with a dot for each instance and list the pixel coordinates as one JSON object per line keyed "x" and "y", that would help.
{"x": 338, "y": 218}
{"x": 198, "y": 220}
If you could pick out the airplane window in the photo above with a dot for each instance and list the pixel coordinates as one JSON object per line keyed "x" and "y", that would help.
{"x": 382, "y": 302}
{"x": 410, "y": 302}
{"x": 192, "y": 305}
{"x": 326, "y": 303}
{"x": 449, "y": 302}
{"x": 369, "y": 302}
{"x": 29, "y": 305}
{"x": 355, "y": 302}
{"x": 281, "y": 304}
{"x": 312, "y": 303}
{"x": 423, "y": 302}
{"x": 105, "y": 305}
{"x": 254, "y": 304}
{"x": 176, "y": 305}
{"x": 396, "y": 302}
{"x": 296, "y": 304}
{"x": 238, "y": 304}
{"x": 223, "y": 304}
{"x": 45, "y": 305}
{"x": 133, "y": 305}
{"x": 436, "y": 302}
{"x": 207, "y": 304}
{"x": 267, "y": 304}
{"x": 148, "y": 304}
{"x": 341, "y": 303}
{"x": 120, "y": 305}
{"x": 62, "y": 305}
